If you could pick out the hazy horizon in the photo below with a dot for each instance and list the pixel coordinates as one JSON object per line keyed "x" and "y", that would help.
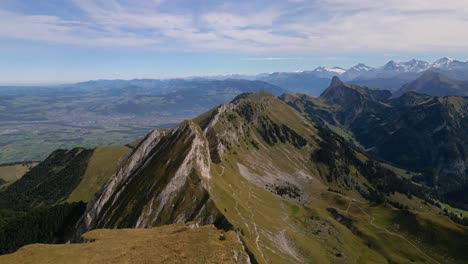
{"x": 57, "y": 42}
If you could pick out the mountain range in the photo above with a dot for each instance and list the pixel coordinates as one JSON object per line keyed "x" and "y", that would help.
{"x": 262, "y": 175}
{"x": 116, "y": 111}
{"x": 391, "y": 76}
{"x": 292, "y": 179}
{"x": 417, "y": 132}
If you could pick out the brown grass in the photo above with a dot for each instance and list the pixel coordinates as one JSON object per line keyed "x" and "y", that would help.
{"x": 177, "y": 243}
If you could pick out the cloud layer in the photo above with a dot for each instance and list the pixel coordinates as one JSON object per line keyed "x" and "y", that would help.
{"x": 247, "y": 26}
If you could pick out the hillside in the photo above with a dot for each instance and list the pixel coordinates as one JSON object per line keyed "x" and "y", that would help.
{"x": 71, "y": 175}
{"x": 12, "y": 172}
{"x": 46, "y": 202}
{"x": 169, "y": 244}
{"x": 417, "y": 132}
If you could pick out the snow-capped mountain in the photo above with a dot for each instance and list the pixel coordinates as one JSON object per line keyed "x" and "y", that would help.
{"x": 407, "y": 66}
{"x": 356, "y": 71}
{"x": 336, "y": 70}
{"x": 390, "y": 76}
{"x": 361, "y": 67}
{"x": 325, "y": 72}
{"x": 443, "y": 63}
{"x": 413, "y": 66}
{"x": 448, "y": 63}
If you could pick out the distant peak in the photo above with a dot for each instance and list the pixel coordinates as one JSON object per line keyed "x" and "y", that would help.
{"x": 360, "y": 67}
{"x": 335, "y": 70}
{"x": 335, "y": 82}
{"x": 444, "y": 60}
{"x": 390, "y": 65}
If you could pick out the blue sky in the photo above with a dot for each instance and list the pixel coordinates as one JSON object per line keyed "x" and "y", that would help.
{"x": 58, "y": 41}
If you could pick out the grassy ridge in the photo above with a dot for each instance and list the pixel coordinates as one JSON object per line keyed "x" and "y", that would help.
{"x": 168, "y": 244}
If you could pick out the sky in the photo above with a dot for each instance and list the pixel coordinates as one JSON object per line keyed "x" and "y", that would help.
{"x": 63, "y": 41}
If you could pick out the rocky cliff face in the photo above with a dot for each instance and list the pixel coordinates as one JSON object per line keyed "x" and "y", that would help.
{"x": 163, "y": 181}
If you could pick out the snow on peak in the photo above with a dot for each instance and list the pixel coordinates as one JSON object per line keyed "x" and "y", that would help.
{"x": 361, "y": 67}
{"x": 442, "y": 63}
{"x": 336, "y": 70}
{"x": 407, "y": 66}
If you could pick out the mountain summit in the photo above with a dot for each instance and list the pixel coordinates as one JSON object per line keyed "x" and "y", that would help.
{"x": 335, "y": 82}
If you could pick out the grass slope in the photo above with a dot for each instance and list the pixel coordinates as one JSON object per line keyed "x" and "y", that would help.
{"x": 11, "y": 173}
{"x": 177, "y": 243}
{"x": 320, "y": 226}
{"x": 101, "y": 166}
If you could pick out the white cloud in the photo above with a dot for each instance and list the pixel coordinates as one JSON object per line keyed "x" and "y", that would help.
{"x": 302, "y": 26}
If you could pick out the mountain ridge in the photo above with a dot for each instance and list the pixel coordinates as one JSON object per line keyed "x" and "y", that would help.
{"x": 435, "y": 84}
{"x": 292, "y": 188}
{"x": 258, "y": 147}
{"x": 398, "y": 130}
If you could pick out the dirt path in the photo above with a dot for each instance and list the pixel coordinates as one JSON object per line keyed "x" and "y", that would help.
{"x": 252, "y": 216}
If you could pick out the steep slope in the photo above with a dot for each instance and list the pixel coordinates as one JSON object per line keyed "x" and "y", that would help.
{"x": 418, "y": 132}
{"x": 341, "y": 105}
{"x": 44, "y": 205}
{"x": 293, "y": 190}
{"x": 73, "y": 175}
{"x": 49, "y": 182}
{"x": 435, "y": 84}
{"x": 167, "y": 169}
{"x": 100, "y": 167}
